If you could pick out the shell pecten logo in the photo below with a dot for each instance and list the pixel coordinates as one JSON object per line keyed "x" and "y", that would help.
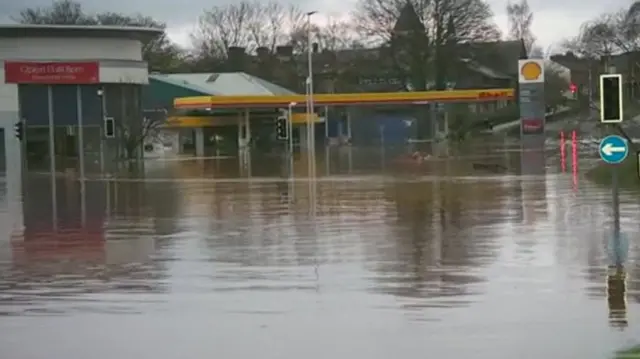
{"x": 531, "y": 71}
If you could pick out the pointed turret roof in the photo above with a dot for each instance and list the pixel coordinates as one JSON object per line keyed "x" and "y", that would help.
{"x": 408, "y": 20}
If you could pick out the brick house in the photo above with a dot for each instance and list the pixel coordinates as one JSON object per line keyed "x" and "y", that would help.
{"x": 478, "y": 65}
{"x": 585, "y": 72}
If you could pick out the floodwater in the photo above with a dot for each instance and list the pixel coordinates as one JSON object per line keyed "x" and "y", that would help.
{"x": 230, "y": 258}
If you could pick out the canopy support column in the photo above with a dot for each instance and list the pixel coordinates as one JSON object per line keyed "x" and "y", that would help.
{"x": 326, "y": 125}
{"x": 348, "y": 126}
{"x": 247, "y": 125}
{"x": 244, "y": 142}
{"x": 240, "y": 122}
{"x": 199, "y": 141}
{"x": 174, "y": 135}
{"x": 244, "y": 129}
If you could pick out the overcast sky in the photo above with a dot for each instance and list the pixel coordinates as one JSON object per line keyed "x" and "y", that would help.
{"x": 554, "y": 20}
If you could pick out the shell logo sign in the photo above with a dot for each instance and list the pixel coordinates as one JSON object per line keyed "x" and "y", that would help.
{"x": 530, "y": 71}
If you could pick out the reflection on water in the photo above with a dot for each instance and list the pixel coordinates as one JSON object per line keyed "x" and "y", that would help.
{"x": 616, "y": 298}
{"x": 448, "y": 257}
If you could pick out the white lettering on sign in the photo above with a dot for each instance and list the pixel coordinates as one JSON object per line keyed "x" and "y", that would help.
{"x": 51, "y": 69}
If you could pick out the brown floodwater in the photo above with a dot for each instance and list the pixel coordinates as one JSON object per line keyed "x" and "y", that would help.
{"x": 490, "y": 252}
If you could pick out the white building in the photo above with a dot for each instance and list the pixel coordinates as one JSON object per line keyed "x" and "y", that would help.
{"x": 63, "y": 82}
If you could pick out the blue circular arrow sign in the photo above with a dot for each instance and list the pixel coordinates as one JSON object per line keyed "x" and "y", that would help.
{"x": 613, "y": 149}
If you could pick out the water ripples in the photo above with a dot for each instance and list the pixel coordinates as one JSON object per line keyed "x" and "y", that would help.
{"x": 467, "y": 263}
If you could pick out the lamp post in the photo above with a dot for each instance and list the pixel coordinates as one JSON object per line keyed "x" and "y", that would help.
{"x": 310, "y": 123}
{"x": 290, "y": 123}
{"x": 290, "y": 133}
{"x": 310, "y": 128}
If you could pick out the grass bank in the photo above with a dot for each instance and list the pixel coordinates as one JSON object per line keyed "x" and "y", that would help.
{"x": 627, "y": 173}
{"x": 629, "y": 354}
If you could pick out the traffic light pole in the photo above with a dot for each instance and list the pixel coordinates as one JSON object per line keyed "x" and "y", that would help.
{"x": 615, "y": 202}
{"x": 290, "y": 151}
{"x": 615, "y": 180}
{"x": 23, "y": 160}
{"x": 612, "y": 114}
{"x": 52, "y": 158}
{"x": 80, "y": 142}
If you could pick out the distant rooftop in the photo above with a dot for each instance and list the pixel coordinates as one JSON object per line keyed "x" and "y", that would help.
{"x": 91, "y": 31}
{"x": 224, "y": 84}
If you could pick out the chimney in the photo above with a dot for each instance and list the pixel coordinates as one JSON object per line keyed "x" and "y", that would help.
{"x": 235, "y": 59}
{"x": 284, "y": 52}
{"x": 262, "y": 52}
{"x": 315, "y": 47}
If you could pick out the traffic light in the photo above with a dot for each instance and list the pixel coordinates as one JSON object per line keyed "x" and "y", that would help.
{"x": 109, "y": 127}
{"x": 19, "y": 129}
{"x": 574, "y": 90}
{"x": 282, "y": 128}
{"x": 611, "y": 98}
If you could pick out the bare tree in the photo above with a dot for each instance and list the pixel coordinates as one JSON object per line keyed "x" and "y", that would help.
{"x": 147, "y": 133}
{"x": 421, "y": 40}
{"x": 555, "y": 86}
{"x": 444, "y": 24}
{"x": 338, "y": 34}
{"x": 63, "y": 12}
{"x": 247, "y": 24}
{"x": 520, "y": 20}
{"x": 609, "y": 35}
{"x": 135, "y": 127}
{"x": 160, "y": 53}
{"x": 472, "y": 19}
{"x": 334, "y": 35}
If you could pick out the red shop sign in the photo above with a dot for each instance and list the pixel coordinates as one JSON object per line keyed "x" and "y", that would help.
{"x": 493, "y": 94}
{"x": 532, "y": 123}
{"x": 51, "y": 72}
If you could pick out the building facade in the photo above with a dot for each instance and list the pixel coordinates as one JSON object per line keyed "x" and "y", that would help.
{"x": 63, "y": 81}
{"x": 60, "y": 84}
{"x": 585, "y": 73}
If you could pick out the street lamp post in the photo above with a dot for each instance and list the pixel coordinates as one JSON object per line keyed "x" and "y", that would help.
{"x": 290, "y": 133}
{"x": 290, "y": 123}
{"x": 310, "y": 123}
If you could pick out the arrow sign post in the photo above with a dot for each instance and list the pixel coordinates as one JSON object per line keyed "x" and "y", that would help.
{"x": 614, "y": 149}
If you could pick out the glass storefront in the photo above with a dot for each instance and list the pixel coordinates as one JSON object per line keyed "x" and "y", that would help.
{"x": 66, "y": 148}
{"x": 65, "y": 106}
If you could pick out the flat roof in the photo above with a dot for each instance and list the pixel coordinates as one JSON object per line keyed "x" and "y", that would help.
{"x": 225, "y": 83}
{"x": 79, "y": 31}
